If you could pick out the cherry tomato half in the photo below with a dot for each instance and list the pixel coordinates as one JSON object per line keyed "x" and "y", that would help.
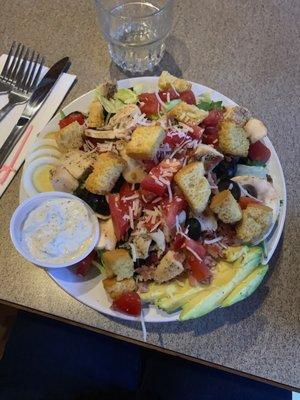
{"x": 68, "y": 119}
{"x": 259, "y": 152}
{"x": 84, "y": 265}
{"x": 128, "y": 303}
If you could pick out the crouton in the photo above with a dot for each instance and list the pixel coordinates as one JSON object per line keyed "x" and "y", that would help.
{"x": 233, "y": 140}
{"x": 187, "y": 113}
{"x": 168, "y": 81}
{"x": 70, "y": 137}
{"x": 145, "y": 142}
{"x": 96, "y": 115}
{"x": 119, "y": 262}
{"x": 141, "y": 245}
{"x": 226, "y": 207}
{"x": 168, "y": 268}
{"x": 62, "y": 180}
{"x": 194, "y": 186}
{"x": 238, "y": 115}
{"x": 115, "y": 288}
{"x": 78, "y": 162}
{"x": 107, "y": 170}
{"x": 256, "y": 220}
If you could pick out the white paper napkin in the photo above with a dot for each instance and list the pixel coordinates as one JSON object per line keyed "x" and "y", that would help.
{"x": 52, "y": 103}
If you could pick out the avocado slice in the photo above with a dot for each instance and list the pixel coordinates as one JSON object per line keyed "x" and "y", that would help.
{"x": 247, "y": 286}
{"x": 156, "y": 291}
{"x": 232, "y": 253}
{"x": 177, "y": 299}
{"x": 227, "y": 277}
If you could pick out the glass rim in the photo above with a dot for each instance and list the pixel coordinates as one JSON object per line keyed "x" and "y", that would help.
{"x": 156, "y": 12}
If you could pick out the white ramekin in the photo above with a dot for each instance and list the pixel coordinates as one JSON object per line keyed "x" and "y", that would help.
{"x": 20, "y": 215}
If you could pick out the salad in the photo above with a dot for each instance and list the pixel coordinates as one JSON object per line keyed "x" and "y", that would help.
{"x": 181, "y": 188}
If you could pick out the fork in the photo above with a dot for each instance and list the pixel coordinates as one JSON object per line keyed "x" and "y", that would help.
{"x": 25, "y": 76}
{"x": 9, "y": 71}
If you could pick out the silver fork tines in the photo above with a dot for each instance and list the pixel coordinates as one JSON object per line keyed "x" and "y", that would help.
{"x": 20, "y": 75}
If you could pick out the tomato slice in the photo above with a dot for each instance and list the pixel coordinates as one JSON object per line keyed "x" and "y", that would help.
{"x": 167, "y": 95}
{"x": 198, "y": 269}
{"x": 118, "y": 209}
{"x": 84, "y": 265}
{"x": 211, "y": 136}
{"x": 259, "y": 152}
{"x": 188, "y": 96}
{"x": 195, "y": 247}
{"x": 149, "y": 164}
{"x": 197, "y": 132}
{"x": 149, "y": 104}
{"x": 213, "y": 118}
{"x": 171, "y": 209}
{"x": 68, "y": 119}
{"x": 128, "y": 303}
{"x": 245, "y": 201}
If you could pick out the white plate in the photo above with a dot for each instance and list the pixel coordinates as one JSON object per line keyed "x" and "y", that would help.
{"x": 90, "y": 290}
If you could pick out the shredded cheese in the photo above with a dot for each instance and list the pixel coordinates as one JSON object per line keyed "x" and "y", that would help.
{"x": 194, "y": 253}
{"x": 215, "y": 240}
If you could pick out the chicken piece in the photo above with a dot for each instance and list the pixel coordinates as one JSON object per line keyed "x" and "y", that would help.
{"x": 226, "y": 207}
{"x": 78, "y": 162}
{"x": 115, "y": 288}
{"x": 70, "y": 137}
{"x": 107, "y": 170}
{"x": 96, "y": 115}
{"x": 134, "y": 171}
{"x": 188, "y": 113}
{"x": 168, "y": 268}
{"x": 125, "y": 118}
{"x": 62, "y": 180}
{"x": 168, "y": 81}
{"x": 238, "y": 115}
{"x": 255, "y": 130}
{"x": 108, "y": 238}
{"x": 233, "y": 139}
{"x": 208, "y": 155}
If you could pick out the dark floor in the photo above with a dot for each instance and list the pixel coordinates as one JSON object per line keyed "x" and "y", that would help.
{"x": 46, "y": 359}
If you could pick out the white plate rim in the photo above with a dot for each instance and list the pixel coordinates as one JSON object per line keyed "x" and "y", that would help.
{"x": 157, "y": 315}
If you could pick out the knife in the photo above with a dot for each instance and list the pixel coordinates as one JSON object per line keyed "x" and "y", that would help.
{"x": 34, "y": 104}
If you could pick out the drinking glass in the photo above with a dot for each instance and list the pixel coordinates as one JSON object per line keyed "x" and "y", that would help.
{"x": 135, "y": 31}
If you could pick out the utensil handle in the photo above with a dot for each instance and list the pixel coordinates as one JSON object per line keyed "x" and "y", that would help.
{"x": 5, "y": 110}
{"x": 10, "y": 142}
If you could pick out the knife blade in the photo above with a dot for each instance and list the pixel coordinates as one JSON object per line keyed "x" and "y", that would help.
{"x": 35, "y": 102}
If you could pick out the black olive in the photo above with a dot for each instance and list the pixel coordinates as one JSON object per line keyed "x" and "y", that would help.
{"x": 244, "y": 160}
{"x": 118, "y": 185}
{"x": 194, "y": 228}
{"x": 234, "y": 188}
{"x": 98, "y": 203}
{"x": 82, "y": 193}
{"x": 251, "y": 190}
{"x": 225, "y": 169}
